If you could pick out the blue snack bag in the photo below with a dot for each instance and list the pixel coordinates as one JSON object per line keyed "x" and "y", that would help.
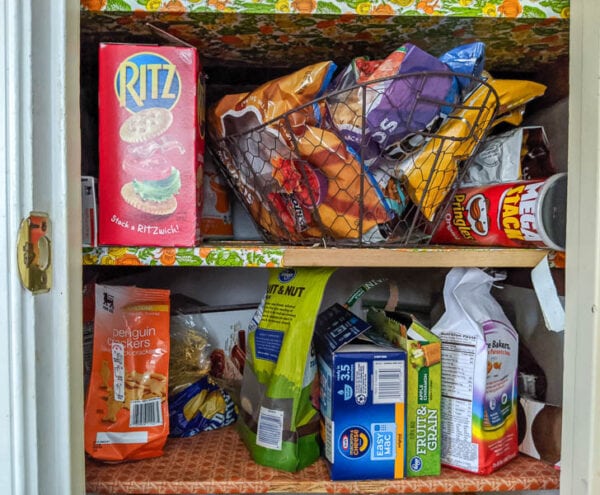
{"x": 203, "y": 406}
{"x": 466, "y": 59}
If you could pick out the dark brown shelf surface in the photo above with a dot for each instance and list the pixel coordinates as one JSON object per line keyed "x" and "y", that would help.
{"x": 218, "y": 462}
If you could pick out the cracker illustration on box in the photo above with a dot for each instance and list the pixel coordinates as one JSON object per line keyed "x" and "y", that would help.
{"x": 145, "y": 125}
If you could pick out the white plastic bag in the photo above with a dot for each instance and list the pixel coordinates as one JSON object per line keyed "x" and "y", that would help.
{"x": 479, "y": 375}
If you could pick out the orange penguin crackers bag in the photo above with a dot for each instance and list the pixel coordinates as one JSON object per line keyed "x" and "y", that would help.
{"x": 126, "y": 412}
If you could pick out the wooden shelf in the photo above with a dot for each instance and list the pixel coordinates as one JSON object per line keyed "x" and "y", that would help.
{"x": 253, "y": 255}
{"x": 429, "y": 257}
{"x": 218, "y": 462}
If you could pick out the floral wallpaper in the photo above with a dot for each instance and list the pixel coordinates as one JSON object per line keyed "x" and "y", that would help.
{"x": 465, "y": 8}
{"x": 258, "y": 31}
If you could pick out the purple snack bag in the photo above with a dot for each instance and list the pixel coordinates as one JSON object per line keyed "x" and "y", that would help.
{"x": 394, "y": 107}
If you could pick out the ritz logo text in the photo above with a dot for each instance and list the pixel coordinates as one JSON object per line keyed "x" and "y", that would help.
{"x": 147, "y": 80}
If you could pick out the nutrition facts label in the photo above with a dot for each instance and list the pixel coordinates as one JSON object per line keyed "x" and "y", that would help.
{"x": 457, "y": 405}
{"x": 457, "y": 390}
{"x": 459, "y": 369}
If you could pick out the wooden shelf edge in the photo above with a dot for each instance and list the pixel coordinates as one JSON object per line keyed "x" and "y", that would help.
{"x": 427, "y": 257}
{"x": 218, "y": 462}
{"x": 258, "y": 255}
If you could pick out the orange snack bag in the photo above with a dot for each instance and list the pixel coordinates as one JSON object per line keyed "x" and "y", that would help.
{"x": 126, "y": 411}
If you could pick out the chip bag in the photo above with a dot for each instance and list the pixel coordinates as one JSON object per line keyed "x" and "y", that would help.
{"x": 279, "y": 424}
{"x": 201, "y": 406}
{"x": 389, "y": 108}
{"x": 126, "y": 413}
{"x": 430, "y": 174}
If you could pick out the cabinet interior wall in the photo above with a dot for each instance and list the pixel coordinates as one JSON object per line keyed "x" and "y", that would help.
{"x": 234, "y": 69}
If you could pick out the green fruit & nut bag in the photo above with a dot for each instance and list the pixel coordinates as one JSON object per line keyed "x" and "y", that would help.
{"x": 278, "y": 422}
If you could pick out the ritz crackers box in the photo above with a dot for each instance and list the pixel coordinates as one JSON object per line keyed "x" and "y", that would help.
{"x": 362, "y": 399}
{"x": 151, "y": 145}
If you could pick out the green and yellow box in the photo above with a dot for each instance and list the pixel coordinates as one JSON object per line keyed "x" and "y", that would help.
{"x": 423, "y": 387}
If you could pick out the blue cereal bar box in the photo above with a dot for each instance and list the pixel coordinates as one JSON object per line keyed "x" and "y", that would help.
{"x": 362, "y": 399}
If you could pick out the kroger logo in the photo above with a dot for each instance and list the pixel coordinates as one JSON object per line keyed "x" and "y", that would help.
{"x": 287, "y": 275}
{"x": 147, "y": 80}
{"x": 416, "y": 463}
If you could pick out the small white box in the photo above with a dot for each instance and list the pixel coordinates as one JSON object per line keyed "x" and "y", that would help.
{"x": 89, "y": 211}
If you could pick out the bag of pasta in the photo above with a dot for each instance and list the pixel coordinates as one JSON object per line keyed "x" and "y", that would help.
{"x": 196, "y": 401}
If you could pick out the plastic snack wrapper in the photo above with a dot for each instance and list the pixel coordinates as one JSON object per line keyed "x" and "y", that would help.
{"x": 392, "y": 108}
{"x": 126, "y": 411}
{"x": 499, "y": 160}
{"x": 514, "y": 94}
{"x": 190, "y": 351}
{"x": 256, "y": 152}
{"x": 521, "y": 153}
{"x": 197, "y": 402}
{"x": 466, "y": 59}
{"x": 279, "y": 424}
{"x": 272, "y": 99}
{"x": 432, "y": 171}
{"x": 338, "y": 209}
{"x": 201, "y": 406}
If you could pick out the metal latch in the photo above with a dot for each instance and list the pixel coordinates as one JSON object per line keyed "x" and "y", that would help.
{"x": 34, "y": 253}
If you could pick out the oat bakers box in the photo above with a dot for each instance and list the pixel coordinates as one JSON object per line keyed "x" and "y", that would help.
{"x": 151, "y": 145}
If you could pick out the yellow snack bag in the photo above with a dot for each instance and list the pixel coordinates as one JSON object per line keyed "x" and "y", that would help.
{"x": 126, "y": 413}
{"x": 429, "y": 175}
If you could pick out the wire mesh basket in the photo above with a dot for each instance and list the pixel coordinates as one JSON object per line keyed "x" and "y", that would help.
{"x": 370, "y": 165}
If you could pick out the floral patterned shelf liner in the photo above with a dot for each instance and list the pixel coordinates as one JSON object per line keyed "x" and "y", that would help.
{"x": 521, "y": 34}
{"x": 462, "y": 8}
{"x": 195, "y": 256}
{"x": 218, "y": 462}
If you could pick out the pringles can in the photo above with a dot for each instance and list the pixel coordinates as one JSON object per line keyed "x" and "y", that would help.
{"x": 529, "y": 213}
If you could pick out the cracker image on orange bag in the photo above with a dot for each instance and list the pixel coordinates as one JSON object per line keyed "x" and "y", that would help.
{"x": 126, "y": 412}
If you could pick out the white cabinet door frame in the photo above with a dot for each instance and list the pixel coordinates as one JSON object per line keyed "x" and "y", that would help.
{"x": 41, "y": 384}
{"x": 581, "y": 414}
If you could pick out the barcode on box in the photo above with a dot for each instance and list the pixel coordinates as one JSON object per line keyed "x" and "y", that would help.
{"x": 145, "y": 413}
{"x": 388, "y": 382}
{"x": 118, "y": 359}
{"x": 270, "y": 428}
